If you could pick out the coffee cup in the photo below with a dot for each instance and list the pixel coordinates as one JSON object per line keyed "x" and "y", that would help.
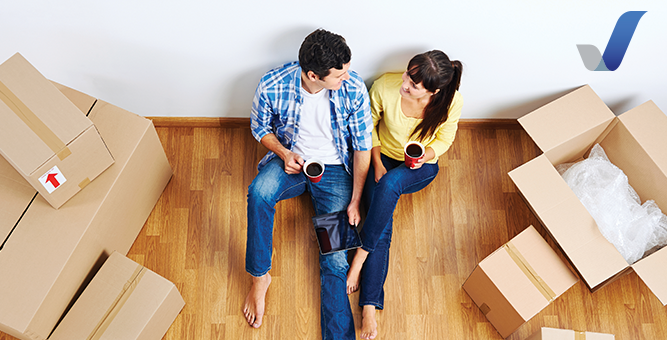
{"x": 314, "y": 169}
{"x": 414, "y": 151}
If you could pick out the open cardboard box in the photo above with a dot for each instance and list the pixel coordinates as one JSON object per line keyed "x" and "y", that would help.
{"x": 123, "y": 301}
{"x": 55, "y": 147}
{"x": 546, "y": 333}
{"x": 517, "y": 281}
{"x": 48, "y": 255}
{"x": 635, "y": 141}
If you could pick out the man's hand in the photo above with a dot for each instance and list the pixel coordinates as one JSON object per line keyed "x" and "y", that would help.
{"x": 293, "y": 163}
{"x": 353, "y": 214}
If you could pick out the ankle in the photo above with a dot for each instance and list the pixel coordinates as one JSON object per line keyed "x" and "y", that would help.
{"x": 261, "y": 280}
{"x": 368, "y": 310}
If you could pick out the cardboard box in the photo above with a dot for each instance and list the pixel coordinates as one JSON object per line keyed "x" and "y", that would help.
{"x": 45, "y": 137}
{"x": 517, "y": 281}
{"x": 48, "y": 255}
{"x": 546, "y": 333}
{"x": 565, "y": 130}
{"x": 123, "y": 301}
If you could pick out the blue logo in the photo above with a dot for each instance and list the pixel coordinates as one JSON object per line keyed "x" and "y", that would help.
{"x": 616, "y": 47}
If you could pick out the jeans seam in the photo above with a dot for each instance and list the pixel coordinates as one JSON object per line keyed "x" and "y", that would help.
{"x": 287, "y": 189}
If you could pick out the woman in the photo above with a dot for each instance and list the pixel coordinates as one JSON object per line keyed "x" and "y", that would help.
{"x": 422, "y": 104}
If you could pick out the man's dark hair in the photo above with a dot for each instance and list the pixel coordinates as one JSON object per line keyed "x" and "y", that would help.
{"x": 323, "y": 50}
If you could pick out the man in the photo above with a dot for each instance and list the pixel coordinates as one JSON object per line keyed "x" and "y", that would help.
{"x": 312, "y": 109}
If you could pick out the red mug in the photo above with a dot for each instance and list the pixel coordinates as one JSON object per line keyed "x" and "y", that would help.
{"x": 413, "y": 152}
{"x": 314, "y": 169}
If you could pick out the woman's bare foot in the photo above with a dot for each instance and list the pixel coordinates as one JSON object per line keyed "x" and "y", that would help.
{"x": 354, "y": 273}
{"x": 369, "y": 326}
{"x": 253, "y": 308}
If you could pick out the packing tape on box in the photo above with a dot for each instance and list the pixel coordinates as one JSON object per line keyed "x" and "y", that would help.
{"x": 118, "y": 303}
{"x": 485, "y": 308}
{"x": 33, "y": 122}
{"x": 579, "y": 335}
{"x": 84, "y": 183}
{"x": 530, "y": 273}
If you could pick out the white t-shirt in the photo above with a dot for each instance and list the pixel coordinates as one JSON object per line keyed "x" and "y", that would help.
{"x": 315, "y": 140}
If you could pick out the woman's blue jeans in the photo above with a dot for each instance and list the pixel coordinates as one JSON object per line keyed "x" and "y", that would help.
{"x": 380, "y": 200}
{"x": 331, "y": 194}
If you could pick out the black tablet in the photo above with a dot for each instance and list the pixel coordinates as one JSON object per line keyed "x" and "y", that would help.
{"x": 335, "y": 233}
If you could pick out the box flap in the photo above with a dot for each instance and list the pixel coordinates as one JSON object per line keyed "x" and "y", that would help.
{"x": 568, "y": 221}
{"x": 648, "y": 125}
{"x": 652, "y": 271}
{"x": 540, "y": 183}
{"x": 642, "y": 140}
{"x": 81, "y": 100}
{"x": 566, "y": 119}
{"x": 575, "y": 230}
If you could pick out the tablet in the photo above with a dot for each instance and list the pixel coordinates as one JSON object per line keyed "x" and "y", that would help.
{"x": 335, "y": 233}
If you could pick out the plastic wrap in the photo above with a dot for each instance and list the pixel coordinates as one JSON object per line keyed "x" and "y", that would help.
{"x": 633, "y": 228}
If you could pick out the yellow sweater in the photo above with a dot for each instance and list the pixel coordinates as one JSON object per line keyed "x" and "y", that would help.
{"x": 393, "y": 128}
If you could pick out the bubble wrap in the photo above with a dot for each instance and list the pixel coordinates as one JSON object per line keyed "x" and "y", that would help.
{"x": 633, "y": 228}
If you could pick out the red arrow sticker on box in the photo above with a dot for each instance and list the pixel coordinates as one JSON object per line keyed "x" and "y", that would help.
{"x": 52, "y": 179}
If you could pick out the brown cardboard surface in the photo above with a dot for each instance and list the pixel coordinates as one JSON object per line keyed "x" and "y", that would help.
{"x": 50, "y": 253}
{"x": 566, "y": 119}
{"x": 546, "y": 333}
{"x": 81, "y": 100}
{"x": 652, "y": 271}
{"x": 41, "y": 127}
{"x": 88, "y": 163}
{"x": 517, "y": 281}
{"x": 20, "y": 145}
{"x": 635, "y": 142}
{"x": 123, "y": 301}
{"x": 15, "y": 195}
{"x": 483, "y": 291}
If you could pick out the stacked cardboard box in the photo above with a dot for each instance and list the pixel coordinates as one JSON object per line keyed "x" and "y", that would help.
{"x": 124, "y": 301}
{"x": 44, "y": 136}
{"x": 546, "y": 333}
{"x": 47, "y": 255}
{"x": 565, "y": 130}
{"x": 517, "y": 281}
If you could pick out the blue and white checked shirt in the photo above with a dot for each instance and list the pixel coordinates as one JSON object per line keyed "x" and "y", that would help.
{"x": 276, "y": 109}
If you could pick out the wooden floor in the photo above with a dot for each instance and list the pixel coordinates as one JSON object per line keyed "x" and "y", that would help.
{"x": 196, "y": 238}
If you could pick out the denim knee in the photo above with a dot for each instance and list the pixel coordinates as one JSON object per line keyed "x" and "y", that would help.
{"x": 335, "y": 263}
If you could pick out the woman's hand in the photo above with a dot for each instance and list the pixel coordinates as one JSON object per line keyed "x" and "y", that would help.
{"x": 380, "y": 170}
{"x": 428, "y": 155}
{"x": 419, "y": 164}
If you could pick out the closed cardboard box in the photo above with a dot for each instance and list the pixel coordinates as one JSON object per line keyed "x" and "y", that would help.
{"x": 635, "y": 141}
{"x": 45, "y": 137}
{"x": 123, "y": 301}
{"x": 47, "y": 254}
{"x": 546, "y": 333}
{"x": 517, "y": 281}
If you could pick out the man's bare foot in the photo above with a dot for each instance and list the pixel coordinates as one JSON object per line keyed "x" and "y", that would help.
{"x": 354, "y": 273}
{"x": 253, "y": 308}
{"x": 369, "y": 326}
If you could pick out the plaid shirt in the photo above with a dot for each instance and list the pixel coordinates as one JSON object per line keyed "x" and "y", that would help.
{"x": 276, "y": 109}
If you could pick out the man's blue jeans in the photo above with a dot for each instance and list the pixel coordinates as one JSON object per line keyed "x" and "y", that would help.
{"x": 331, "y": 194}
{"x": 380, "y": 200}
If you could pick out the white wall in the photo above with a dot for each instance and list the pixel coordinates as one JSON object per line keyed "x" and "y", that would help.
{"x": 204, "y": 57}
